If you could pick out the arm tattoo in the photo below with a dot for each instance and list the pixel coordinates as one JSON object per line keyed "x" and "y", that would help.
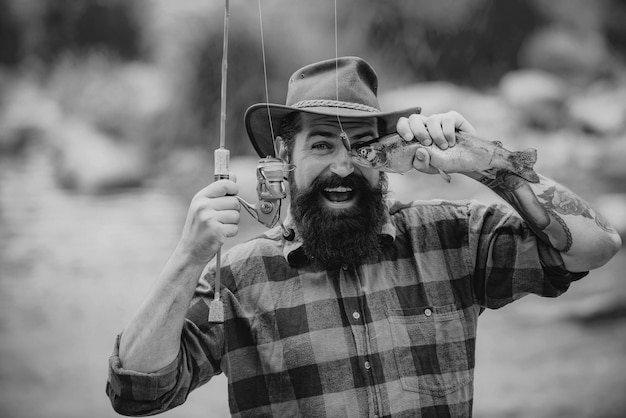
{"x": 542, "y": 216}
{"x": 545, "y": 207}
{"x": 565, "y": 202}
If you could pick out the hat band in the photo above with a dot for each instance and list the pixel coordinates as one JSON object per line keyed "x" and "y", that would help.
{"x": 334, "y": 103}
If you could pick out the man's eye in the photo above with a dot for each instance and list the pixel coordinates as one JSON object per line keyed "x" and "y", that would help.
{"x": 321, "y": 146}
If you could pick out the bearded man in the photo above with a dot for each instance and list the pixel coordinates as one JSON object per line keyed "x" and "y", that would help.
{"x": 370, "y": 308}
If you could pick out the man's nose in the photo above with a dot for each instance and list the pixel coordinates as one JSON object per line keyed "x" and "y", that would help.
{"x": 342, "y": 163}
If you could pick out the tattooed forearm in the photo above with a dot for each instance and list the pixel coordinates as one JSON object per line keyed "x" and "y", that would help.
{"x": 557, "y": 217}
{"x": 539, "y": 211}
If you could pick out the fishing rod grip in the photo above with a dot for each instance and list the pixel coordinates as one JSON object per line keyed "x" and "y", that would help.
{"x": 222, "y": 158}
{"x": 216, "y": 308}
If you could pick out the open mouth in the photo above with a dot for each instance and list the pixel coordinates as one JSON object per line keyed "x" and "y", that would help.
{"x": 339, "y": 196}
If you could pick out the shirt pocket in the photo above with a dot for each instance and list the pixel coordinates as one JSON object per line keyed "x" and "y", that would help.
{"x": 433, "y": 348}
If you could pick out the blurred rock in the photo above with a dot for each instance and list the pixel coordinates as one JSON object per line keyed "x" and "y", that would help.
{"x": 575, "y": 55}
{"x": 88, "y": 161}
{"x": 122, "y": 100}
{"x": 149, "y": 88}
{"x": 538, "y": 96}
{"x": 601, "y": 109}
{"x": 566, "y": 156}
{"x": 486, "y": 111}
{"x": 26, "y": 113}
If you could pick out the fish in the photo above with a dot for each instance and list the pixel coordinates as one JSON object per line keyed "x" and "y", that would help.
{"x": 392, "y": 153}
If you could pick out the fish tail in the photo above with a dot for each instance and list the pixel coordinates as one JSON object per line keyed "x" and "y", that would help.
{"x": 523, "y": 162}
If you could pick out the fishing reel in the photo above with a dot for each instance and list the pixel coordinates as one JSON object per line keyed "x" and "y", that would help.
{"x": 271, "y": 174}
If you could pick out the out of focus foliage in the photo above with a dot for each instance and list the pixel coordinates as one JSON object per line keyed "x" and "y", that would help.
{"x": 80, "y": 25}
{"x": 615, "y": 26}
{"x": 42, "y": 31}
{"x": 470, "y": 42}
{"x": 10, "y": 36}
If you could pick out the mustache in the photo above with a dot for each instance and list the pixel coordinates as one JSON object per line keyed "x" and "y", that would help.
{"x": 353, "y": 181}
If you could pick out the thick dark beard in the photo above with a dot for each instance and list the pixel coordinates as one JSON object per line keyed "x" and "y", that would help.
{"x": 332, "y": 238}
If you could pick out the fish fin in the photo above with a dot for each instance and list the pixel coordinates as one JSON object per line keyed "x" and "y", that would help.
{"x": 523, "y": 162}
{"x": 445, "y": 175}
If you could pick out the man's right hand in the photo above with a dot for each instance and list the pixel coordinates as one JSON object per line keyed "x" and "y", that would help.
{"x": 213, "y": 216}
{"x": 152, "y": 339}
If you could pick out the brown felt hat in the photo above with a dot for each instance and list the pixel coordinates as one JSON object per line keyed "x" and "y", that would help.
{"x": 345, "y": 86}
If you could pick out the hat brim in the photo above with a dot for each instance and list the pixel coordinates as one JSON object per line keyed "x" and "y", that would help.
{"x": 263, "y": 128}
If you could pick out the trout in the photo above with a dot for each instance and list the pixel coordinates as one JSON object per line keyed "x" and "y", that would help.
{"x": 392, "y": 153}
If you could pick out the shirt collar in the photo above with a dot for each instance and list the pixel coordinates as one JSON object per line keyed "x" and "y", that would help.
{"x": 294, "y": 253}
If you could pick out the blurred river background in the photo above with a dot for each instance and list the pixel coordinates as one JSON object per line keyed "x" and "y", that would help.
{"x": 109, "y": 113}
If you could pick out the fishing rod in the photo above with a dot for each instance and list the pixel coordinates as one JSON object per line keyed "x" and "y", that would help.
{"x": 271, "y": 173}
{"x": 221, "y": 159}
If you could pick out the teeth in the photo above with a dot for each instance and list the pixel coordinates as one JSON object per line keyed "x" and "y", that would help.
{"x": 338, "y": 190}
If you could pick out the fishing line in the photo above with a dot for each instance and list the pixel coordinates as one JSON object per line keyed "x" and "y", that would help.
{"x": 288, "y": 233}
{"x": 343, "y": 134}
{"x": 267, "y": 94}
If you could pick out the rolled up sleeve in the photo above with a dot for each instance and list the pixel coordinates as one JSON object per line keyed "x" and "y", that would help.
{"x": 510, "y": 261}
{"x": 135, "y": 394}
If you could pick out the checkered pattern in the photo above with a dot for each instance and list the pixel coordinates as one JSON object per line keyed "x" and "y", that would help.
{"x": 393, "y": 339}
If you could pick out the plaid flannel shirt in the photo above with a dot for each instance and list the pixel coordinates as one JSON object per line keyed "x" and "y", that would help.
{"x": 390, "y": 339}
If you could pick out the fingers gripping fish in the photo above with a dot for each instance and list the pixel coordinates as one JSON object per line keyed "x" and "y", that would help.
{"x": 392, "y": 153}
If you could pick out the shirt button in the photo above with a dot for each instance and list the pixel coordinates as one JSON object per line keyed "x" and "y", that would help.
{"x": 367, "y": 365}
{"x": 356, "y": 315}
{"x": 344, "y": 267}
{"x": 428, "y": 312}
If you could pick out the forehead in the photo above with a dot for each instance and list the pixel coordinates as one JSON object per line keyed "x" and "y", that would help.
{"x": 331, "y": 122}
